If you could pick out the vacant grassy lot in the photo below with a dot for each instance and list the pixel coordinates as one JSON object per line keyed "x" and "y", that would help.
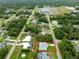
{"x": 52, "y": 52}
{"x": 16, "y": 52}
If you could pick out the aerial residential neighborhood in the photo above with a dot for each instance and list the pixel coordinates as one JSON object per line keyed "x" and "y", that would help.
{"x": 39, "y": 29}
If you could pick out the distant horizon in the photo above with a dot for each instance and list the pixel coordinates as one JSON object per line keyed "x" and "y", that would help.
{"x": 35, "y": 2}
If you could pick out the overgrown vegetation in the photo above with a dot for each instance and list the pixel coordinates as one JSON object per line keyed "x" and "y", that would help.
{"x": 4, "y": 51}
{"x": 32, "y": 28}
{"x": 71, "y": 17}
{"x": 14, "y": 27}
{"x": 67, "y": 31}
{"x": 67, "y": 50}
{"x": 44, "y": 38}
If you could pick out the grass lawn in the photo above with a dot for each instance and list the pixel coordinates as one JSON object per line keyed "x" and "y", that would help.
{"x": 63, "y": 10}
{"x": 7, "y": 48}
{"x": 31, "y": 55}
{"x": 14, "y": 38}
{"x": 16, "y": 52}
{"x": 28, "y": 55}
{"x": 23, "y": 36}
{"x": 55, "y": 56}
{"x": 52, "y": 51}
{"x": 1, "y": 39}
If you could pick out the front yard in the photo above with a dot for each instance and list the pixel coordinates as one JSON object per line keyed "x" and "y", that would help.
{"x": 52, "y": 52}
{"x": 16, "y": 52}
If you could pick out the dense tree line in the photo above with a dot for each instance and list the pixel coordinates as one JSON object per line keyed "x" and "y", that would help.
{"x": 67, "y": 31}
{"x": 3, "y": 52}
{"x": 15, "y": 26}
{"x": 42, "y": 18}
{"x": 44, "y": 38}
{"x": 2, "y": 10}
{"x": 72, "y": 18}
{"x": 67, "y": 50}
{"x": 32, "y": 28}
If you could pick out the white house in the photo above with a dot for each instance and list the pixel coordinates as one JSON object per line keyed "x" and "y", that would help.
{"x": 26, "y": 42}
{"x": 27, "y": 39}
{"x": 70, "y": 8}
{"x": 44, "y": 10}
{"x": 26, "y": 45}
{"x": 54, "y": 23}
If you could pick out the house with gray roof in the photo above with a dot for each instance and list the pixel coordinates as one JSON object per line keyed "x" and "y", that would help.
{"x": 43, "y": 55}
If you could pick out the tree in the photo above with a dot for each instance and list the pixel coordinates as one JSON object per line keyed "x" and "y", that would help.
{"x": 6, "y": 17}
{"x": 67, "y": 49}
{"x": 32, "y": 28}
{"x": 15, "y": 26}
{"x": 42, "y": 19}
{"x": 3, "y": 52}
{"x": 44, "y": 38}
{"x": 68, "y": 31}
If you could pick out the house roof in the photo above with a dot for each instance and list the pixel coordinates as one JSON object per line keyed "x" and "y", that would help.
{"x": 27, "y": 38}
{"x": 43, "y": 55}
{"x": 26, "y": 45}
{"x": 43, "y": 46}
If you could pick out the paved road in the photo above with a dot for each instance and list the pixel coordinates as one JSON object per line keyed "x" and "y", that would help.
{"x": 76, "y": 26}
{"x": 32, "y": 14}
{"x": 12, "y": 49}
{"x": 54, "y": 38}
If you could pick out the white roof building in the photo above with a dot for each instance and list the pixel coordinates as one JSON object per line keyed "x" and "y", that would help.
{"x": 27, "y": 38}
{"x": 55, "y": 23}
{"x": 26, "y": 45}
{"x": 76, "y": 11}
{"x": 23, "y": 55}
{"x": 51, "y": 45}
{"x": 44, "y": 10}
{"x": 43, "y": 32}
{"x": 70, "y": 8}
